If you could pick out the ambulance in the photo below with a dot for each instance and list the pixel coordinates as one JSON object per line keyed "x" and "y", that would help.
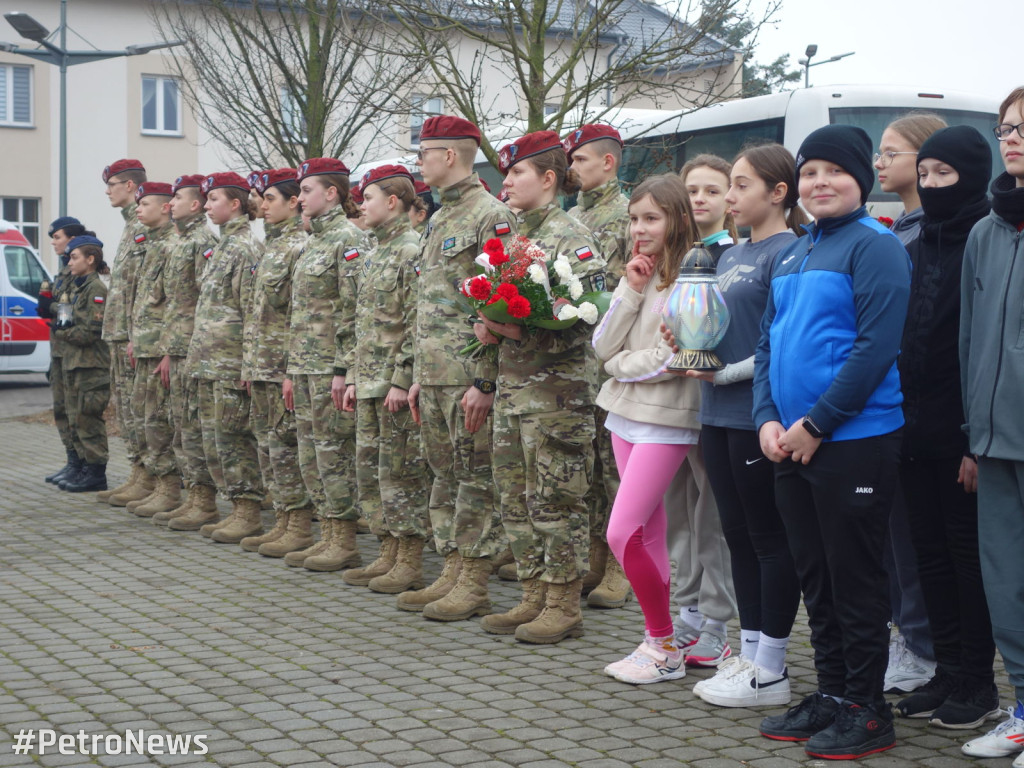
{"x": 24, "y": 336}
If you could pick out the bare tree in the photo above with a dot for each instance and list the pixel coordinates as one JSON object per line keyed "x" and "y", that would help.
{"x": 571, "y": 59}
{"x": 283, "y": 80}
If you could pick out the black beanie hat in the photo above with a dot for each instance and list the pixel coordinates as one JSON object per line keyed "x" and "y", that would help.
{"x": 847, "y": 146}
{"x": 963, "y": 148}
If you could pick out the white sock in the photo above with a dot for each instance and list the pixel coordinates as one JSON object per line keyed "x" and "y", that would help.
{"x": 771, "y": 653}
{"x": 691, "y": 617}
{"x": 718, "y": 626}
{"x": 748, "y": 643}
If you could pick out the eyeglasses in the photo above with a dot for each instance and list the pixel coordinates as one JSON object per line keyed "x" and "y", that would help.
{"x": 419, "y": 155}
{"x": 1004, "y": 130}
{"x": 112, "y": 184}
{"x": 885, "y": 158}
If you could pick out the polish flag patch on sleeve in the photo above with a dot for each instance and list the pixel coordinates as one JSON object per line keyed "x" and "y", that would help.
{"x": 140, "y": 239}
{"x": 584, "y": 253}
{"x": 208, "y": 253}
{"x": 502, "y": 228}
{"x": 97, "y": 299}
{"x": 351, "y": 253}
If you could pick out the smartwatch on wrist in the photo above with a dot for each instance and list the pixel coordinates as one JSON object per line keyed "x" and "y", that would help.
{"x": 813, "y": 429}
{"x": 485, "y": 385}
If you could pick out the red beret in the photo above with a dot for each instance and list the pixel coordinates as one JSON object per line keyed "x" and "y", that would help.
{"x": 120, "y": 167}
{"x": 222, "y": 180}
{"x": 191, "y": 180}
{"x": 485, "y": 185}
{"x": 272, "y": 178}
{"x": 318, "y": 166}
{"x": 356, "y": 194}
{"x": 382, "y": 172}
{"x": 255, "y": 181}
{"x": 529, "y": 145}
{"x": 587, "y": 133}
{"x": 449, "y": 127}
{"x": 502, "y": 195}
{"x": 421, "y": 188}
{"x": 147, "y": 188}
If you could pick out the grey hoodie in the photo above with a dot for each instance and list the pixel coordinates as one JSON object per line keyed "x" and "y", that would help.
{"x": 908, "y": 225}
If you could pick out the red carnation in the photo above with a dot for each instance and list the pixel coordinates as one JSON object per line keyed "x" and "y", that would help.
{"x": 885, "y": 221}
{"x": 506, "y": 291}
{"x": 519, "y": 307}
{"x": 480, "y": 288}
{"x": 494, "y": 246}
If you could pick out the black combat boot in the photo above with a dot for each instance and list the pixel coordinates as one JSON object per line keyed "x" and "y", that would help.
{"x": 72, "y": 474}
{"x": 63, "y": 471}
{"x": 92, "y": 478}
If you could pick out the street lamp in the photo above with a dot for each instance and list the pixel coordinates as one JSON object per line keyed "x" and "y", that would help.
{"x": 59, "y": 55}
{"x": 806, "y": 62}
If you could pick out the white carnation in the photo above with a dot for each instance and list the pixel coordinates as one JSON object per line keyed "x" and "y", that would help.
{"x": 587, "y": 312}
{"x": 484, "y": 261}
{"x": 575, "y": 288}
{"x": 568, "y": 312}
{"x": 562, "y": 257}
{"x": 563, "y": 269}
{"x": 538, "y": 274}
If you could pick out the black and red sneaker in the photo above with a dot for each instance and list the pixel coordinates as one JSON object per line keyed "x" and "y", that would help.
{"x": 856, "y": 732}
{"x": 799, "y": 723}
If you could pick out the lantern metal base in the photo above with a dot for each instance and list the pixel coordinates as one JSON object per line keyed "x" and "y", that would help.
{"x": 695, "y": 360}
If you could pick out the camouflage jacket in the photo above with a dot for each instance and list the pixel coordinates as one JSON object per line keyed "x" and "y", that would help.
{"x": 604, "y": 210}
{"x": 215, "y": 351}
{"x": 123, "y": 269}
{"x": 456, "y": 234}
{"x": 386, "y": 312}
{"x": 150, "y": 306}
{"x": 61, "y": 285}
{"x": 553, "y": 370}
{"x": 191, "y": 249}
{"x": 83, "y": 345}
{"x": 265, "y": 355}
{"x": 325, "y": 285}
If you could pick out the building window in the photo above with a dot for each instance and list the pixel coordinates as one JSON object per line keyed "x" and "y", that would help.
{"x": 422, "y": 108}
{"x": 15, "y": 95}
{"x": 292, "y": 119}
{"x": 161, "y": 106}
{"x": 23, "y": 213}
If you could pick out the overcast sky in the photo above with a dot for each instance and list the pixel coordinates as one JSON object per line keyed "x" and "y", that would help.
{"x": 932, "y": 44}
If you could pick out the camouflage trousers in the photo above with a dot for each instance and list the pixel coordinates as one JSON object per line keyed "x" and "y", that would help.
{"x": 462, "y": 506}
{"x": 391, "y": 474}
{"x": 327, "y": 448}
{"x": 58, "y": 388}
{"x": 274, "y": 428}
{"x": 188, "y": 432}
{"x": 228, "y": 442}
{"x": 151, "y": 407}
{"x": 122, "y": 380}
{"x": 606, "y": 478}
{"x": 543, "y": 467}
{"x": 88, "y": 394}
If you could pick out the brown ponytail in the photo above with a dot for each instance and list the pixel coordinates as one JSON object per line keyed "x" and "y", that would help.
{"x": 774, "y": 165}
{"x": 566, "y": 179}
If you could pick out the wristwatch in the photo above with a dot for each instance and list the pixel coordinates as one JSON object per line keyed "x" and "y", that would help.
{"x": 812, "y": 428}
{"x": 485, "y": 385}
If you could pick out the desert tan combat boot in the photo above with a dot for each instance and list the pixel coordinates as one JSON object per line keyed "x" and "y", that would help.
{"x": 247, "y": 521}
{"x": 360, "y": 577}
{"x": 503, "y": 558}
{"x": 253, "y": 543}
{"x": 298, "y": 557}
{"x": 527, "y": 610}
{"x": 509, "y": 572}
{"x": 598, "y": 563}
{"x": 298, "y": 535}
{"x": 561, "y": 617}
{"x": 468, "y": 597}
{"x": 341, "y": 551}
{"x": 414, "y": 601}
{"x": 162, "y": 518}
{"x": 144, "y": 485}
{"x": 407, "y": 572}
{"x": 133, "y": 478}
{"x": 203, "y": 500}
{"x": 166, "y": 497}
{"x": 614, "y": 590}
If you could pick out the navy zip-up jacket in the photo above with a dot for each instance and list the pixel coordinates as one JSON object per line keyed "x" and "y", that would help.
{"x": 831, "y": 331}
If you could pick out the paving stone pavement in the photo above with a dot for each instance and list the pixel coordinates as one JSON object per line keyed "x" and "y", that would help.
{"x": 110, "y": 624}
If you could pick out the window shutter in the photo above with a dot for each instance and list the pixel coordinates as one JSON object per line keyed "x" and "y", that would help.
{"x": 21, "y": 102}
{"x": 4, "y": 72}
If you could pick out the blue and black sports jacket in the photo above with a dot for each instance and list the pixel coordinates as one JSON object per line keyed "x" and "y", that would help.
{"x": 831, "y": 331}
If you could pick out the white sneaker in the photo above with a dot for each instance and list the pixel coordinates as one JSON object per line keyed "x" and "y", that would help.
{"x": 1005, "y": 739}
{"x": 741, "y": 683}
{"x": 906, "y": 671}
{"x": 647, "y": 664}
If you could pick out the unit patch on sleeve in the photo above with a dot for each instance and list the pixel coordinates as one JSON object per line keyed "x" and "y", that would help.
{"x": 140, "y": 239}
{"x": 208, "y": 253}
{"x": 502, "y": 228}
{"x": 584, "y": 253}
{"x": 351, "y": 253}
{"x": 448, "y": 244}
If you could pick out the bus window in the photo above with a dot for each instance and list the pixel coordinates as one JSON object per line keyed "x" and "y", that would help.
{"x": 728, "y": 140}
{"x": 875, "y": 119}
{"x": 647, "y": 157}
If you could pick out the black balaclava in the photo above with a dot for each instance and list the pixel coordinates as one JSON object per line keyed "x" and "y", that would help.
{"x": 963, "y": 148}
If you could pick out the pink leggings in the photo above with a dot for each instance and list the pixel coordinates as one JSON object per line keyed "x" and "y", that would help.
{"x": 636, "y": 530}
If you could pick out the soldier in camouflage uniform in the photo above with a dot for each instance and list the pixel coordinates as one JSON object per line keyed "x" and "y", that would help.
{"x": 150, "y": 402}
{"x": 191, "y": 249}
{"x": 87, "y": 360}
{"x": 595, "y": 152}
{"x": 61, "y": 232}
{"x": 390, "y": 470}
{"x": 325, "y": 284}
{"x": 122, "y": 179}
{"x": 215, "y": 355}
{"x": 544, "y": 422}
{"x": 452, "y": 395}
{"x": 265, "y": 361}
